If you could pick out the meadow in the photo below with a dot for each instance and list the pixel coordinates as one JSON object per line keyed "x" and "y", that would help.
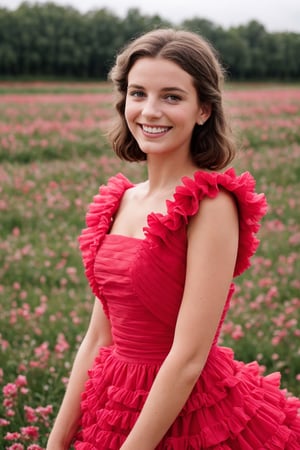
{"x": 53, "y": 157}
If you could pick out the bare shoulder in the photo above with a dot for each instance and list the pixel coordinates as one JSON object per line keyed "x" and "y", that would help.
{"x": 213, "y": 235}
{"x": 216, "y": 211}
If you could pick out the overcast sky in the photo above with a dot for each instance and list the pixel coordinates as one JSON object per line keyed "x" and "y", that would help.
{"x": 275, "y": 15}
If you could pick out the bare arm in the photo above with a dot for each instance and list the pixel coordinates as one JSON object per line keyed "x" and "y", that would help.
{"x": 98, "y": 335}
{"x": 212, "y": 250}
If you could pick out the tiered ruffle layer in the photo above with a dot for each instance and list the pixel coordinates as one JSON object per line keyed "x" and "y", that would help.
{"x": 231, "y": 407}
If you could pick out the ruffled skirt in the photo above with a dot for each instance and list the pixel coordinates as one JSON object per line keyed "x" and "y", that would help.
{"x": 232, "y": 407}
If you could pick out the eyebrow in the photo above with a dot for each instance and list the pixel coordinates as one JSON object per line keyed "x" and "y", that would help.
{"x": 165, "y": 89}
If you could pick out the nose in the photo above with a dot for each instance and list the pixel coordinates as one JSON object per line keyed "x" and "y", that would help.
{"x": 151, "y": 108}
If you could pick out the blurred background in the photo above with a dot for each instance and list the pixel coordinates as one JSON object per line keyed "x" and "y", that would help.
{"x": 256, "y": 41}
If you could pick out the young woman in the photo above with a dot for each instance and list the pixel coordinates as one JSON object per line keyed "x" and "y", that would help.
{"x": 160, "y": 257}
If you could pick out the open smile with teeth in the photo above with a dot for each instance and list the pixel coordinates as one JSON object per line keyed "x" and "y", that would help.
{"x": 155, "y": 130}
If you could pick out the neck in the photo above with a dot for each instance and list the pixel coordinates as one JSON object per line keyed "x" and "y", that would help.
{"x": 166, "y": 173}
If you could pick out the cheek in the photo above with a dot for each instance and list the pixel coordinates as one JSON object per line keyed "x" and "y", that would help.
{"x": 129, "y": 114}
{"x": 126, "y": 110}
{"x": 185, "y": 119}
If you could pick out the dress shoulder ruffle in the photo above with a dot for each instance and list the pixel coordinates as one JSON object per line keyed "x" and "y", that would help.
{"x": 251, "y": 207}
{"x": 98, "y": 221}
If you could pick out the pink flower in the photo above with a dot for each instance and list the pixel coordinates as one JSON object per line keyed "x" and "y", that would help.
{"x": 40, "y": 413}
{"x": 15, "y": 447}
{"x": 44, "y": 411}
{"x": 4, "y": 344}
{"x": 65, "y": 380}
{"x": 40, "y": 310}
{"x": 16, "y": 231}
{"x": 23, "y": 295}
{"x": 30, "y": 432}
{"x": 30, "y": 414}
{"x": 237, "y": 332}
{"x": 273, "y": 292}
{"x": 22, "y": 367}
{"x": 10, "y": 390}
{"x": 24, "y": 390}
{"x": 291, "y": 323}
{"x": 8, "y": 402}
{"x": 61, "y": 344}
{"x": 4, "y": 422}
{"x": 295, "y": 239}
{"x": 12, "y": 436}
{"x": 21, "y": 381}
{"x": 42, "y": 351}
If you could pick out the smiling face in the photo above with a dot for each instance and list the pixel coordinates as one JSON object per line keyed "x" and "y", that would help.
{"x": 162, "y": 106}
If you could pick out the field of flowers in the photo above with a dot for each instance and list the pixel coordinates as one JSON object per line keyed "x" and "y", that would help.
{"x": 53, "y": 157}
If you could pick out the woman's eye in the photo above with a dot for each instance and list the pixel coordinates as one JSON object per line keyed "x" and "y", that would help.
{"x": 172, "y": 98}
{"x": 137, "y": 94}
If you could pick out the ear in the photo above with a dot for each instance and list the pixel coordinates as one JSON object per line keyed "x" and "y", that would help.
{"x": 203, "y": 114}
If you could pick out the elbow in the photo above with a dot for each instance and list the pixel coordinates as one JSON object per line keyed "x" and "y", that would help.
{"x": 192, "y": 371}
{"x": 188, "y": 367}
{"x": 91, "y": 341}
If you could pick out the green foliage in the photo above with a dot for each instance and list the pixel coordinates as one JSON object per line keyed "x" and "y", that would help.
{"x": 47, "y": 40}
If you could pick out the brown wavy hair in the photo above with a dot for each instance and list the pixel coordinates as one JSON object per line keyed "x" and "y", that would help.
{"x": 212, "y": 145}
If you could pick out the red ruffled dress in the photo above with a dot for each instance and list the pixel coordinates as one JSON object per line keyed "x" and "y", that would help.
{"x": 140, "y": 284}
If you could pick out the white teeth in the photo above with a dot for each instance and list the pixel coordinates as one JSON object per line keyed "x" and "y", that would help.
{"x": 155, "y": 130}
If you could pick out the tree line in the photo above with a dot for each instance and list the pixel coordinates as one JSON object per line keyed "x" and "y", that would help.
{"x": 54, "y": 41}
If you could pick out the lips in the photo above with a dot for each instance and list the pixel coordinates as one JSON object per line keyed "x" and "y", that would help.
{"x": 154, "y": 130}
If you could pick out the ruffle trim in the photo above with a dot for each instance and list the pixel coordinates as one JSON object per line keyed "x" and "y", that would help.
{"x": 242, "y": 410}
{"x": 251, "y": 206}
{"x": 98, "y": 220}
